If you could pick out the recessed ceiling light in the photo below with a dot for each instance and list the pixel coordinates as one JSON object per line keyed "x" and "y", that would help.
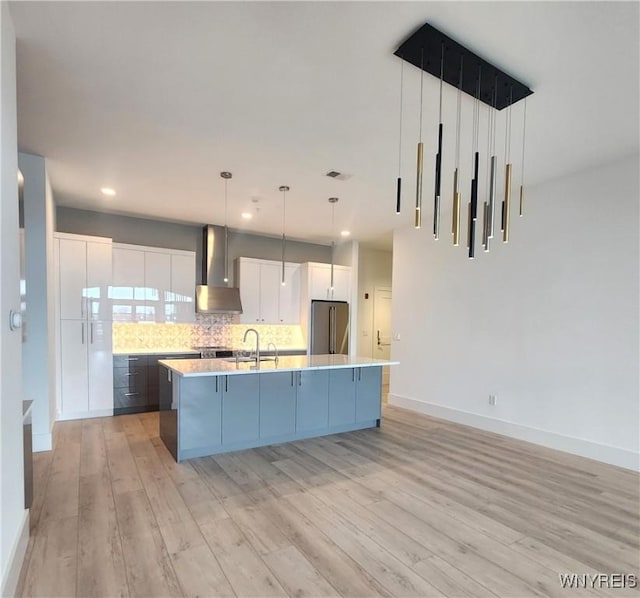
{"x": 108, "y": 191}
{"x": 345, "y": 233}
{"x": 247, "y": 215}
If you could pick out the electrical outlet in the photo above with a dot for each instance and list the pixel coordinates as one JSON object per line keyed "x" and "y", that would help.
{"x": 492, "y": 399}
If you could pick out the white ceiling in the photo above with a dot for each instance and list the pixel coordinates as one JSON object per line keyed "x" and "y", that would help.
{"x": 156, "y": 98}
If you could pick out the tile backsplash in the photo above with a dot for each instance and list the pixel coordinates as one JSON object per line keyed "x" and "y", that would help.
{"x": 208, "y": 330}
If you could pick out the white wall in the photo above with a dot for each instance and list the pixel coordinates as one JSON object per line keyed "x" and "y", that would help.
{"x": 548, "y": 323}
{"x": 346, "y": 254}
{"x": 14, "y": 522}
{"x": 374, "y": 270}
{"x": 38, "y": 359}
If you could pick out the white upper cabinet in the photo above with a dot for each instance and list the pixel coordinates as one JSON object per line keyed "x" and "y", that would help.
{"x": 84, "y": 268}
{"x": 248, "y": 273}
{"x": 99, "y": 273}
{"x": 270, "y": 275}
{"x": 157, "y": 285}
{"x": 183, "y": 287}
{"x": 289, "y": 304}
{"x": 320, "y": 282}
{"x": 73, "y": 279}
{"x": 264, "y": 299}
{"x": 153, "y": 284}
{"x": 128, "y": 291}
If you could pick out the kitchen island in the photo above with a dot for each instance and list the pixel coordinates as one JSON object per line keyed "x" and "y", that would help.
{"x": 210, "y": 406}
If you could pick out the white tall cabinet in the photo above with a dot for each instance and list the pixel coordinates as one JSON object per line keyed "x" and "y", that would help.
{"x": 83, "y": 307}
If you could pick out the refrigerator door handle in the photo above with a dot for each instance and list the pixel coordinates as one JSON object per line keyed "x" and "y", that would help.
{"x": 330, "y": 329}
{"x": 333, "y": 329}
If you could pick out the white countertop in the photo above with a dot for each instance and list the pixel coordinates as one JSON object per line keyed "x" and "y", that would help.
{"x": 170, "y": 351}
{"x": 221, "y": 367}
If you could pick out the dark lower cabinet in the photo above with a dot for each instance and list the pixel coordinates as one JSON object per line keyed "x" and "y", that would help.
{"x": 135, "y": 382}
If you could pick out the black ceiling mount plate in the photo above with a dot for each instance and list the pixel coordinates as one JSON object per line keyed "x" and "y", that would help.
{"x": 426, "y": 46}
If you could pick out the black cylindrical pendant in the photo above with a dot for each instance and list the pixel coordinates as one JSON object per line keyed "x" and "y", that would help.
{"x": 438, "y": 179}
{"x": 398, "y": 194}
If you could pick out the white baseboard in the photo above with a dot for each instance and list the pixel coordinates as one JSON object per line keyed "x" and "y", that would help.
{"x": 16, "y": 558}
{"x": 42, "y": 442}
{"x": 576, "y": 446}
{"x": 85, "y": 414}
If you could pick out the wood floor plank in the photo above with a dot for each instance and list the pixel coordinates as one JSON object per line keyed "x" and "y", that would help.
{"x": 388, "y": 570}
{"x": 101, "y": 570}
{"x": 244, "y": 569}
{"x": 200, "y": 574}
{"x": 327, "y": 557}
{"x": 53, "y": 564}
{"x": 297, "y": 575}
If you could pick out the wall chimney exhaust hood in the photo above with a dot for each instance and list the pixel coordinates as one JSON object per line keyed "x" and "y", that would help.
{"x": 213, "y": 296}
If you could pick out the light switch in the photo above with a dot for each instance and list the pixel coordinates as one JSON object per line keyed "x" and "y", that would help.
{"x": 396, "y": 336}
{"x": 365, "y": 333}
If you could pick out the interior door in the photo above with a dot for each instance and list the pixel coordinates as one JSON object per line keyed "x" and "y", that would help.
{"x": 382, "y": 328}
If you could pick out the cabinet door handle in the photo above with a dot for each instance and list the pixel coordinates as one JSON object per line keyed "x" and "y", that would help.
{"x": 82, "y": 332}
{"x": 131, "y": 373}
{"x": 131, "y": 394}
{"x": 292, "y": 378}
{"x": 359, "y": 374}
{"x": 82, "y": 307}
{"x": 91, "y": 329}
{"x": 132, "y": 358}
{"x": 226, "y": 383}
{"x": 217, "y": 383}
{"x": 299, "y": 378}
{"x": 353, "y": 374}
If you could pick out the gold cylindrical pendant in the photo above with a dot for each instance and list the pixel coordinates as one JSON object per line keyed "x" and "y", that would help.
{"x": 418, "y": 222}
{"x": 521, "y": 200}
{"x": 485, "y": 224}
{"x": 507, "y": 203}
{"x": 456, "y": 219}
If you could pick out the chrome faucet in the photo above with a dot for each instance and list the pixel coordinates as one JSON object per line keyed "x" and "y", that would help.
{"x": 244, "y": 340}
{"x": 275, "y": 350}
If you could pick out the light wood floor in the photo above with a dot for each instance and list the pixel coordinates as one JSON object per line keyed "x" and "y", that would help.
{"x": 420, "y": 507}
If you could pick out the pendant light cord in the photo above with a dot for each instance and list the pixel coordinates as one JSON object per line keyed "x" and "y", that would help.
{"x": 441, "y": 76}
{"x": 458, "y": 114}
{"x": 400, "y": 137}
{"x": 524, "y": 132}
{"x": 421, "y": 85}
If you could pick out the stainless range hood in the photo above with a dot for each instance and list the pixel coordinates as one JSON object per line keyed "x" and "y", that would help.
{"x": 213, "y": 296}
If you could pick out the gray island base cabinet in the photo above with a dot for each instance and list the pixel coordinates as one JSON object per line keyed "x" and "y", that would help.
{"x": 205, "y": 415}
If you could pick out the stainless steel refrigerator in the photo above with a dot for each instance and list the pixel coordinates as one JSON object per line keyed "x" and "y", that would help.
{"x": 329, "y": 327}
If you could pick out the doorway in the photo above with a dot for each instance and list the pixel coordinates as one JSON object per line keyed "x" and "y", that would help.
{"x": 382, "y": 331}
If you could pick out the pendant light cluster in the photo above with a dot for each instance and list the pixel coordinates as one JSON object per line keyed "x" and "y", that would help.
{"x": 437, "y": 54}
